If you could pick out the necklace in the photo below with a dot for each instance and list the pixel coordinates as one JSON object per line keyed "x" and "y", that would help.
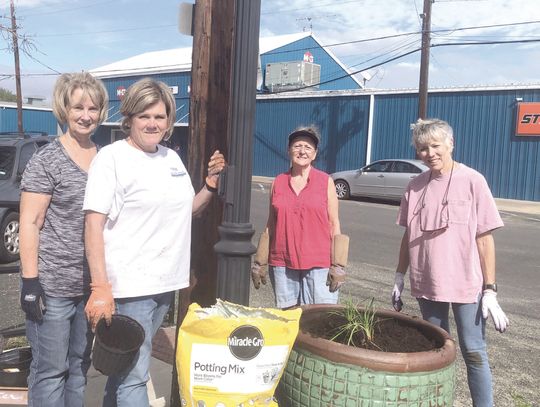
{"x": 445, "y": 196}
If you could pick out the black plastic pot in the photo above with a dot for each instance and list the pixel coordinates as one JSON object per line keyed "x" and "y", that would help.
{"x": 117, "y": 345}
{"x": 15, "y": 366}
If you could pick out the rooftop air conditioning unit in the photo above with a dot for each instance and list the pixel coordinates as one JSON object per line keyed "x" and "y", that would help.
{"x": 299, "y": 75}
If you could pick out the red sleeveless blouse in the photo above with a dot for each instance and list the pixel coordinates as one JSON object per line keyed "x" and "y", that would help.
{"x": 302, "y": 234}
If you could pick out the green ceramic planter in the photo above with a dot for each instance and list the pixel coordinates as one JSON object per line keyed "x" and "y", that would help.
{"x": 322, "y": 373}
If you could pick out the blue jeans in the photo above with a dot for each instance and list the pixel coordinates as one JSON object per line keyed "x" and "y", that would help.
{"x": 472, "y": 341}
{"x": 299, "y": 287}
{"x": 129, "y": 388}
{"x": 61, "y": 345}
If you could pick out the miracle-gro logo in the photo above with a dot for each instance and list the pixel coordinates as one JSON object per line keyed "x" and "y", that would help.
{"x": 245, "y": 342}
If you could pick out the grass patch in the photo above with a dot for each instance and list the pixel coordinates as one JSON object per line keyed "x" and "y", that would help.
{"x": 519, "y": 400}
{"x": 16, "y": 342}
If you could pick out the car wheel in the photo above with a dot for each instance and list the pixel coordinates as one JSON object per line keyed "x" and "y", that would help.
{"x": 9, "y": 249}
{"x": 342, "y": 189}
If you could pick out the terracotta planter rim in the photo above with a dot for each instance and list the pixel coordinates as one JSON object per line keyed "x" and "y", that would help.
{"x": 397, "y": 362}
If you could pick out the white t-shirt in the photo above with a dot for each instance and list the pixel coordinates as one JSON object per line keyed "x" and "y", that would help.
{"x": 148, "y": 199}
{"x": 445, "y": 264}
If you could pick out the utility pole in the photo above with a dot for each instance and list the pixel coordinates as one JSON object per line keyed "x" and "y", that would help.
{"x": 17, "y": 69}
{"x": 424, "y": 60}
{"x": 208, "y": 123}
{"x": 222, "y": 116}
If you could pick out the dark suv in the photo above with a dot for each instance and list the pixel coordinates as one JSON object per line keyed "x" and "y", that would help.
{"x": 15, "y": 152}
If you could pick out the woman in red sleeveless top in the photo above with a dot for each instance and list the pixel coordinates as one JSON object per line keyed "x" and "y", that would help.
{"x": 303, "y": 219}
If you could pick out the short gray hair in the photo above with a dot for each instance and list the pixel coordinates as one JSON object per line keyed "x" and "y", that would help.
{"x": 426, "y": 130}
{"x": 67, "y": 83}
{"x": 143, "y": 94}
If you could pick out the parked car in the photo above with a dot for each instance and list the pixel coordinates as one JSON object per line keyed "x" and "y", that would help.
{"x": 382, "y": 179}
{"x": 15, "y": 152}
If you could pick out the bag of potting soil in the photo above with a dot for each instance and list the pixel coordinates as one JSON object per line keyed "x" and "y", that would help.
{"x": 230, "y": 355}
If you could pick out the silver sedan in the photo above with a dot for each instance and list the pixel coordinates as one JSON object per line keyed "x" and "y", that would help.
{"x": 383, "y": 179}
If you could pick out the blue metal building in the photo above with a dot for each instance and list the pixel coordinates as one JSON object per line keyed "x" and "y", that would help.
{"x": 174, "y": 68}
{"x": 360, "y": 127}
{"x": 357, "y": 125}
{"x": 34, "y": 118}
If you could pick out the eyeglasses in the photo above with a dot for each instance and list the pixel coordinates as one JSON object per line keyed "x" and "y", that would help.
{"x": 438, "y": 221}
{"x": 307, "y": 148}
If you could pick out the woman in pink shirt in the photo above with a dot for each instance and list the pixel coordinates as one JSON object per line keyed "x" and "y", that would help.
{"x": 302, "y": 229}
{"x": 449, "y": 214}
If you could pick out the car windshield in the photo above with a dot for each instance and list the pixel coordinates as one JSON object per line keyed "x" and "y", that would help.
{"x": 7, "y": 160}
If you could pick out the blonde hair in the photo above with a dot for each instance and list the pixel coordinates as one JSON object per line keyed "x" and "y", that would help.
{"x": 67, "y": 83}
{"x": 143, "y": 94}
{"x": 426, "y": 130}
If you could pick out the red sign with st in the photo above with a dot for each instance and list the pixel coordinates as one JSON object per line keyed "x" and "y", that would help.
{"x": 528, "y": 119}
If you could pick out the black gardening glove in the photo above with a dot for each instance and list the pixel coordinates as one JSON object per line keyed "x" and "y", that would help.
{"x": 32, "y": 298}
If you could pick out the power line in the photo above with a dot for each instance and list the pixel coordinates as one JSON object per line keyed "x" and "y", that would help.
{"x": 402, "y": 56}
{"x": 132, "y": 70}
{"x": 93, "y": 4}
{"x": 499, "y": 42}
{"x": 42, "y": 63}
{"x": 278, "y": 52}
{"x": 312, "y": 6}
{"x": 109, "y": 31}
{"x": 411, "y": 33}
{"x": 323, "y": 82}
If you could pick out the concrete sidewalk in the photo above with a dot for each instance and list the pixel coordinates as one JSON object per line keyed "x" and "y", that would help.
{"x": 161, "y": 366}
{"x": 159, "y": 387}
{"x": 524, "y": 207}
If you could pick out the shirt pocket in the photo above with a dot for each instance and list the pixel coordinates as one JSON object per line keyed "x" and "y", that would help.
{"x": 178, "y": 187}
{"x": 459, "y": 211}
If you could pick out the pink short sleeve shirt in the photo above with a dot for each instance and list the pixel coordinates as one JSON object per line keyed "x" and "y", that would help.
{"x": 444, "y": 260}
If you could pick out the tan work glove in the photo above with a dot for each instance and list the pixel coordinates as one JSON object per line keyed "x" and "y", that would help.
{"x": 340, "y": 253}
{"x": 260, "y": 264}
{"x": 100, "y": 304}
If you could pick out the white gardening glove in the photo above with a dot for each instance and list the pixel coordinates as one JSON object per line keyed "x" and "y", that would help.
{"x": 399, "y": 283}
{"x": 490, "y": 305}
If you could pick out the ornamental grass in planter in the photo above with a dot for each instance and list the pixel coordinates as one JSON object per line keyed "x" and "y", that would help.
{"x": 347, "y": 355}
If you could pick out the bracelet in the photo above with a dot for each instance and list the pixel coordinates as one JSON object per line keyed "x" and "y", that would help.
{"x": 208, "y": 187}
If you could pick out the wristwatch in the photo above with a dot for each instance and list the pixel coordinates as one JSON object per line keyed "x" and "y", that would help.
{"x": 491, "y": 287}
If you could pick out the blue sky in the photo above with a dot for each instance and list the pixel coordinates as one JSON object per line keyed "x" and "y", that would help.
{"x": 82, "y": 35}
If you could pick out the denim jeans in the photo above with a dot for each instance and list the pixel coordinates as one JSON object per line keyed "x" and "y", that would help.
{"x": 472, "y": 341}
{"x": 129, "y": 388}
{"x": 299, "y": 287}
{"x": 61, "y": 345}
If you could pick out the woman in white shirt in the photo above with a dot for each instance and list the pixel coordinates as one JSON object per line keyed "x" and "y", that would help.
{"x": 139, "y": 203}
